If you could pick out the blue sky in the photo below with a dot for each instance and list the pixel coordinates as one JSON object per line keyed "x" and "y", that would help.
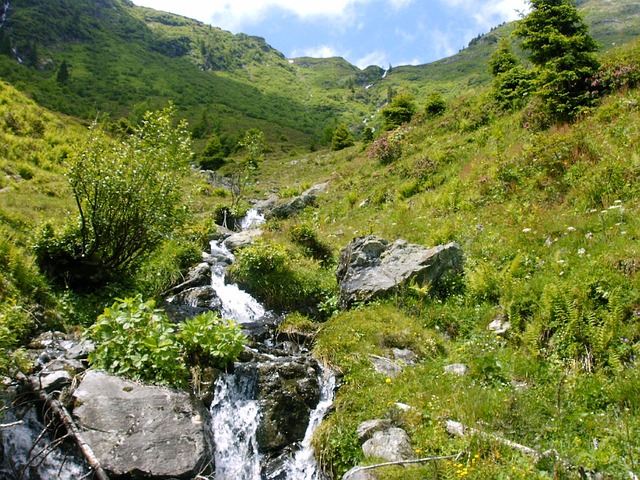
{"x": 365, "y": 32}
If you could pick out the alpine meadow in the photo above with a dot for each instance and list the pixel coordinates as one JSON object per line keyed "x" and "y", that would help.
{"x": 133, "y": 139}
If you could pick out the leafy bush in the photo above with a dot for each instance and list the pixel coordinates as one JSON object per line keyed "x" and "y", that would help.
{"x": 399, "y": 111}
{"x": 279, "y": 280}
{"x": 306, "y": 236}
{"x": 435, "y": 104}
{"x": 209, "y": 340}
{"x": 136, "y": 340}
{"x": 342, "y": 138}
{"x": 128, "y": 197}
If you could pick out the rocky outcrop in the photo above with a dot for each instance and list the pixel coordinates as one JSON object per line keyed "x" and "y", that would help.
{"x": 371, "y": 266}
{"x": 288, "y": 391}
{"x": 280, "y": 210}
{"x": 141, "y": 431}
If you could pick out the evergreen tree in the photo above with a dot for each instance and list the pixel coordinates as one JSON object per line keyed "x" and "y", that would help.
{"x": 512, "y": 82}
{"x": 342, "y": 138}
{"x": 63, "y": 73}
{"x": 399, "y": 111}
{"x": 562, "y": 51}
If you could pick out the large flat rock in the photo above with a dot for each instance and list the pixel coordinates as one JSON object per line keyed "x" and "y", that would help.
{"x": 370, "y": 266}
{"x": 141, "y": 431}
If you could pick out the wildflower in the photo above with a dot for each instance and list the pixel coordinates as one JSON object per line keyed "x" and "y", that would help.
{"x": 571, "y": 229}
{"x": 388, "y": 380}
{"x": 526, "y": 230}
{"x": 582, "y": 251}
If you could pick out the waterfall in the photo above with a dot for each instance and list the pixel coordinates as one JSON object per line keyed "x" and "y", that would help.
{"x": 304, "y": 465}
{"x": 234, "y": 418}
{"x": 235, "y": 411}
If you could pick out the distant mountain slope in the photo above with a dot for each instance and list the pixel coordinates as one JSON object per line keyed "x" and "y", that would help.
{"x": 122, "y": 59}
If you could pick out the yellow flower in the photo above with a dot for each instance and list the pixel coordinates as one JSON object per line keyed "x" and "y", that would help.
{"x": 388, "y": 380}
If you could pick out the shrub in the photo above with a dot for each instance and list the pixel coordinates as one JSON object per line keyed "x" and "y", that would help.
{"x": 435, "y": 104}
{"x": 399, "y": 111}
{"x": 342, "y": 138}
{"x": 306, "y": 236}
{"x": 209, "y": 340}
{"x": 280, "y": 281}
{"x": 128, "y": 197}
{"x": 136, "y": 340}
{"x": 387, "y": 148}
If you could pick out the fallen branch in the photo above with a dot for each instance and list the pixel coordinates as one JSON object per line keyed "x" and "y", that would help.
{"x": 457, "y": 429}
{"x": 407, "y": 462}
{"x": 12, "y": 424}
{"x": 63, "y": 414}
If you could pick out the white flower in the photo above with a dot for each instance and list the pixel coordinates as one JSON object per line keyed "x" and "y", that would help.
{"x": 582, "y": 251}
{"x": 526, "y": 230}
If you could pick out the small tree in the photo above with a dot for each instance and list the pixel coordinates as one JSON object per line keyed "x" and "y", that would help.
{"x": 512, "y": 82}
{"x": 255, "y": 145}
{"x": 435, "y": 105}
{"x": 399, "y": 111}
{"x": 342, "y": 138}
{"x": 562, "y": 51}
{"x": 63, "y": 73}
{"x": 212, "y": 156}
{"x": 128, "y": 197}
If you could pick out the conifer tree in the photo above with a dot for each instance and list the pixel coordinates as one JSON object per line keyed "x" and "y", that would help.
{"x": 562, "y": 52}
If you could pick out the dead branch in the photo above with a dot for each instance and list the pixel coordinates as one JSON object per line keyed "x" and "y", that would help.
{"x": 12, "y": 424}
{"x": 407, "y": 462}
{"x": 60, "y": 411}
{"x": 457, "y": 429}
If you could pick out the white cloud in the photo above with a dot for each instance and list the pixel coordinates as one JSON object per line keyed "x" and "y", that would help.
{"x": 488, "y": 14}
{"x": 235, "y": 14}
{"x": 374, "y": 58}
{"x": 319, "y": 51}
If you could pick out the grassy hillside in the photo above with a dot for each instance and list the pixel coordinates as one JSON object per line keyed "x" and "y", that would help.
{"x": 548, "y": 221}
{"x": 549, "y": 225}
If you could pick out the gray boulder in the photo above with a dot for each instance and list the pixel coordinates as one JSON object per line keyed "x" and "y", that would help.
{"x": 295, "y": 205}
{"x": 141, "y": 431}
{"x": 370, "y": 266}
{"x": 242, "y": 239}
{"x": 391, "y": 445}
{"x": 357, "y": 473}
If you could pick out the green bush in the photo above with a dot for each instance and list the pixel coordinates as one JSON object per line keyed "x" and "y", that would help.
{"x": 136, "y": 340}
{"x": 208, "y": 340}
{"x": 306, "y": 236}
{"x": 280, "y": 281}
{"x": 128, "y": 197}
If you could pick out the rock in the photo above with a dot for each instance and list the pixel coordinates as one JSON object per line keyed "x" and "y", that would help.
{"x": 457, "y": 369}
{"x": 198, "y": 276}
{"x": 80, "y": 351}
{"x": 52, "y": 382}
{"x": 288, "y": 390}
{"x": 370, "y": 266}
{"x": 385, "y": 366}
{"x": 357, "y": 473}
{"x": 192, "y": 302}
{"x": 500, "y": 325}
{"x": 242, "y": 239}
{"x": 366, "y": 429}
{"x": 297, "y": 204}
{"x": 391, "y": 445}
{"x": 141, "y": 431}
{"x": 405, "y": 356}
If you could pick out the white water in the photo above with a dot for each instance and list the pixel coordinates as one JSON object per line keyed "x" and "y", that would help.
{"x": 234, "y": 419}
{"x": 236, "y": 304}
{"x": 304, "y": 465}
{"x": 235, "y": 414}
